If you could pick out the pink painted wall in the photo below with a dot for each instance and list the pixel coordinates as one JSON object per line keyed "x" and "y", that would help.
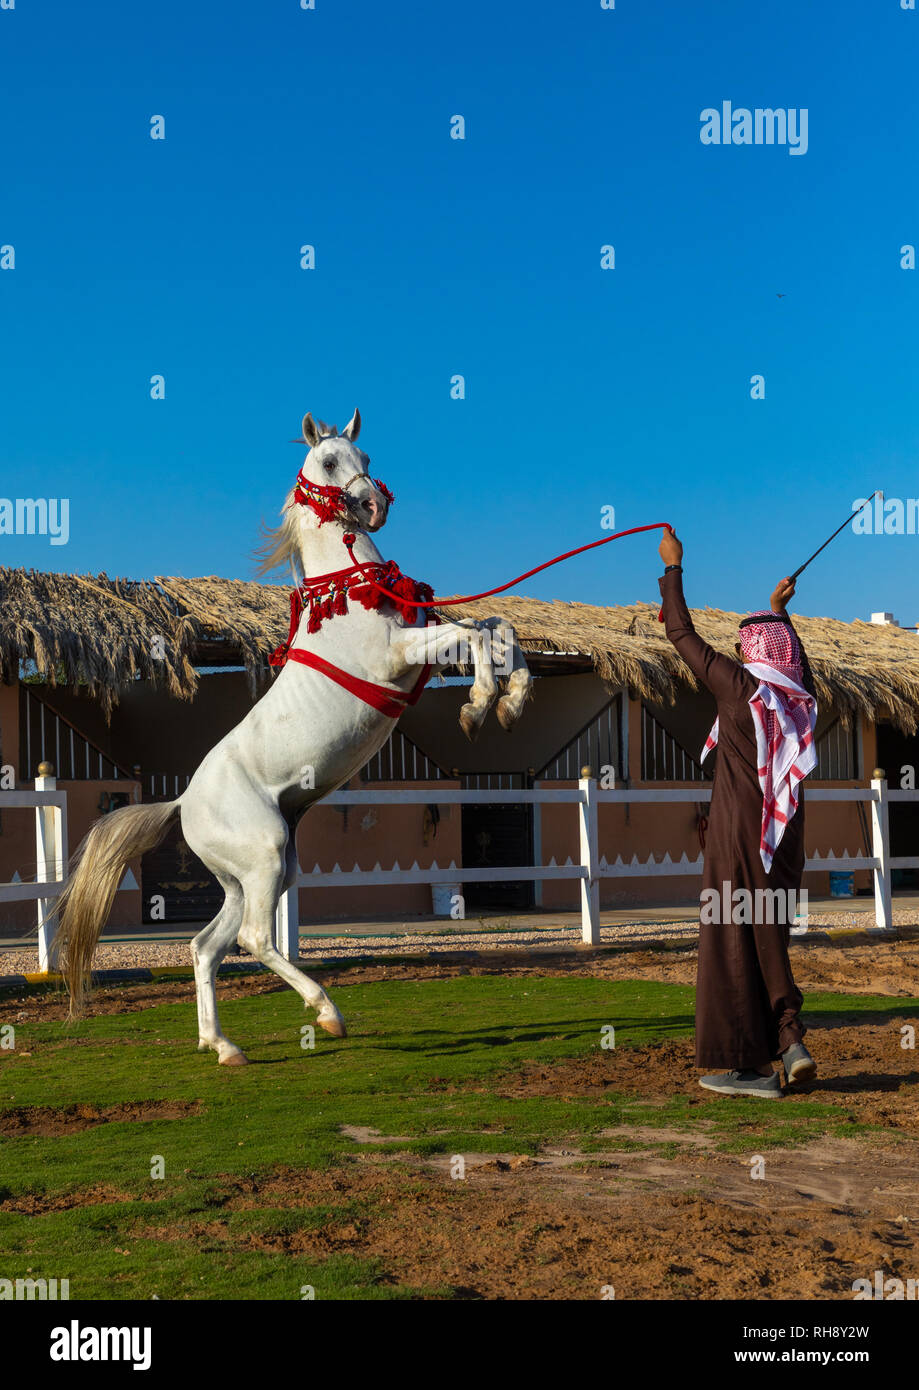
{"x": 369, "y": 835}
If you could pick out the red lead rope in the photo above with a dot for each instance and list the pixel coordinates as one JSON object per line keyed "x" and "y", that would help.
{"x": 349, "y": 539}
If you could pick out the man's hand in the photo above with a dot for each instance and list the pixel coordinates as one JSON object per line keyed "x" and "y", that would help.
{"x": 671, "y": 550}
{"x": 783, "y": 593}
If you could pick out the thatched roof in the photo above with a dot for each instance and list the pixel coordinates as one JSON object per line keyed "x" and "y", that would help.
{"x": 94, "y": 630}
{"x": 104, "y": 631}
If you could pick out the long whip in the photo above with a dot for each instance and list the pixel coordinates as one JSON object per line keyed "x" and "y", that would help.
{"x": 801, "y": 568}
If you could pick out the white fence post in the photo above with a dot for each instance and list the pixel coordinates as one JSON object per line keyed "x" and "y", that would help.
{"x": 537, "y": 845}
{"x": 50, "y": 858}
{"x": 880, "y": 835}
{"x": 287, "y": 924}
{"x": 590, "y": 860}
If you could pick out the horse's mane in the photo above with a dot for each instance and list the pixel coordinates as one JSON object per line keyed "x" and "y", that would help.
{"x": 280, "y": 544}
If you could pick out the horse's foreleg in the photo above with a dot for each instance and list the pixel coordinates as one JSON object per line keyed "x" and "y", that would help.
{"x": 450, "y": 643}
{"x": 511, "y": 662}
{"x": 484, "y": 686}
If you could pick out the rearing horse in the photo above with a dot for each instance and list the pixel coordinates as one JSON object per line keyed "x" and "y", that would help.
{"x": 350, "y": 667}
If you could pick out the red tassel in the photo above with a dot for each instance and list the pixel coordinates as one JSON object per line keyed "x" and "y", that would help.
{"x": 329, "y": 598}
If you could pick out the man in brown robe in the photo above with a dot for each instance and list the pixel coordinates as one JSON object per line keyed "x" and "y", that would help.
{"x": 747, "y": 1003}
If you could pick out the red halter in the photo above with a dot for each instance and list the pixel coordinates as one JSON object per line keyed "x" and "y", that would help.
{"x": 328, "y": 501}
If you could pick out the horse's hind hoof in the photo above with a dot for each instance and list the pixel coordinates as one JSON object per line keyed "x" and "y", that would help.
{"x": 235, "y": 1059}
{"x": 332, "y": 1022}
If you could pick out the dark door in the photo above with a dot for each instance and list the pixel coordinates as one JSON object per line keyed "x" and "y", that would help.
{"x": 497, "y": 837}
{"x": 896, "y": 751}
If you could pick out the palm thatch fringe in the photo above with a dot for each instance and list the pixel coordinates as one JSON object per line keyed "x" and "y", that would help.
{"x": 109, "y": 632}
{"x": 93, "y": 631}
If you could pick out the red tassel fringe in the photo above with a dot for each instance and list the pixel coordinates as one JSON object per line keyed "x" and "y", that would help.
{"x": 332, "y": 601}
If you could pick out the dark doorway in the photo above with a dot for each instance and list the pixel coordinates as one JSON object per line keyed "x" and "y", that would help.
{"x": 896, "y": 751}
{"x": 499, "y": 836}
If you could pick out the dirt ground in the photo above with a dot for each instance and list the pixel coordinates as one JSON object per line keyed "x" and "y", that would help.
{"x": 42, "y": 1120}
{"x": 882, "y": 967}
{"x": 661, "y": 1212}
{"x": 651, "y": 1225}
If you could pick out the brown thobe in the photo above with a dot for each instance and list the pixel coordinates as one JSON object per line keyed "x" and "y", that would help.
{"x": 747, "y": 1003}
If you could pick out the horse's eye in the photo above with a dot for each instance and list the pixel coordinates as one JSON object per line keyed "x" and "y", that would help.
{"x": 329, "y": 465}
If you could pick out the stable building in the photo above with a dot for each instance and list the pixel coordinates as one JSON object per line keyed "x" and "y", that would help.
{"x": 123, "y": 686}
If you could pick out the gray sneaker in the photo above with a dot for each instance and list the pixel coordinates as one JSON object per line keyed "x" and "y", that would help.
{"x": 799, "y": 1064}
{"x": 744, "y": 1083}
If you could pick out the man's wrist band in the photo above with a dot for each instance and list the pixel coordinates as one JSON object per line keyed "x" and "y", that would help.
{"x": 673, "y": 567}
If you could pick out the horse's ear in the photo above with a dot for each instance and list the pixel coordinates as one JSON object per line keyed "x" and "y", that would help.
{"x": 353, "y": 428}
{"x": 310, "y": 431}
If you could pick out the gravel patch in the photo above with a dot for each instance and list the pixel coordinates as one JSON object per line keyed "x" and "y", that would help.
{"x": 148, "y": 954}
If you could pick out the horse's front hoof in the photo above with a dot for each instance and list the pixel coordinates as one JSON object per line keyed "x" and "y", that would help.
{"x": 235, "y": 1059}
{"x": 506, "y": 714}
{"x": 469, "y": 722}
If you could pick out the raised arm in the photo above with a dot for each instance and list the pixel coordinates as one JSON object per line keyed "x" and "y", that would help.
{"x": 723, "y": 676}
{"x": 783, "y": 593}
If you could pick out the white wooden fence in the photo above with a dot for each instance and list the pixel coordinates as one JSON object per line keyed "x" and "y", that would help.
{"x": 592, "y": 866}
{"x": 50, "y": 857}
{"x": 50, "y": 806}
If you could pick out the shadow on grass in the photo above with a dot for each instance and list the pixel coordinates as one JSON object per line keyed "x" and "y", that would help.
{"x": 863, "y": 1081}
{"x": 443, "y": 1041}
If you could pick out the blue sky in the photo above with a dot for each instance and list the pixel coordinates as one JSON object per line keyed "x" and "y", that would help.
{"x": 584, "y": 388}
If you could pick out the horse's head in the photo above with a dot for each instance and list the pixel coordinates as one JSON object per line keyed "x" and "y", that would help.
{"x": 334, "y": 485}
{"x": 335, "y": 481}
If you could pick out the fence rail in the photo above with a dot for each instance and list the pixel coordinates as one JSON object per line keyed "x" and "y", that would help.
{"x": 592, "y": 866}
{"x": 50, "y": 807}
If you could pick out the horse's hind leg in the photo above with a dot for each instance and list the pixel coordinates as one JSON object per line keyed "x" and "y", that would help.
{"x": 262, "y": 888}
{"x": 207, "y": 951}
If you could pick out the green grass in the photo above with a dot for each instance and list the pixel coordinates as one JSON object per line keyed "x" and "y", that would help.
{"x": 420, "y": 1065}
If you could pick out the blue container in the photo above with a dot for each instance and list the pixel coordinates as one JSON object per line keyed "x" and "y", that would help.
{"x": 842, "y": 885}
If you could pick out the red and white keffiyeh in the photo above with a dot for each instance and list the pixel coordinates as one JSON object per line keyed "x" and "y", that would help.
{"x": 784, "y": 716}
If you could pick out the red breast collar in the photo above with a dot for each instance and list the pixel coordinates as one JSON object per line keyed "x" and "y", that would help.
{"x": 326, "y": 595}
{"x": 384, "y": 698}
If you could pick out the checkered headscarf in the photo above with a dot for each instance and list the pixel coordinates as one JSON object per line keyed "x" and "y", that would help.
{"x": 774, "y": 643}
{"x": 784, "y": 717}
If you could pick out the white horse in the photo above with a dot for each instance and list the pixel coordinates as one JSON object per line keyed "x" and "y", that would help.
{"x": 303, "y": 739}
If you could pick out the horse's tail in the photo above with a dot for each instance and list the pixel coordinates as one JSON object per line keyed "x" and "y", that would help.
{"x": 85, "y": 903}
